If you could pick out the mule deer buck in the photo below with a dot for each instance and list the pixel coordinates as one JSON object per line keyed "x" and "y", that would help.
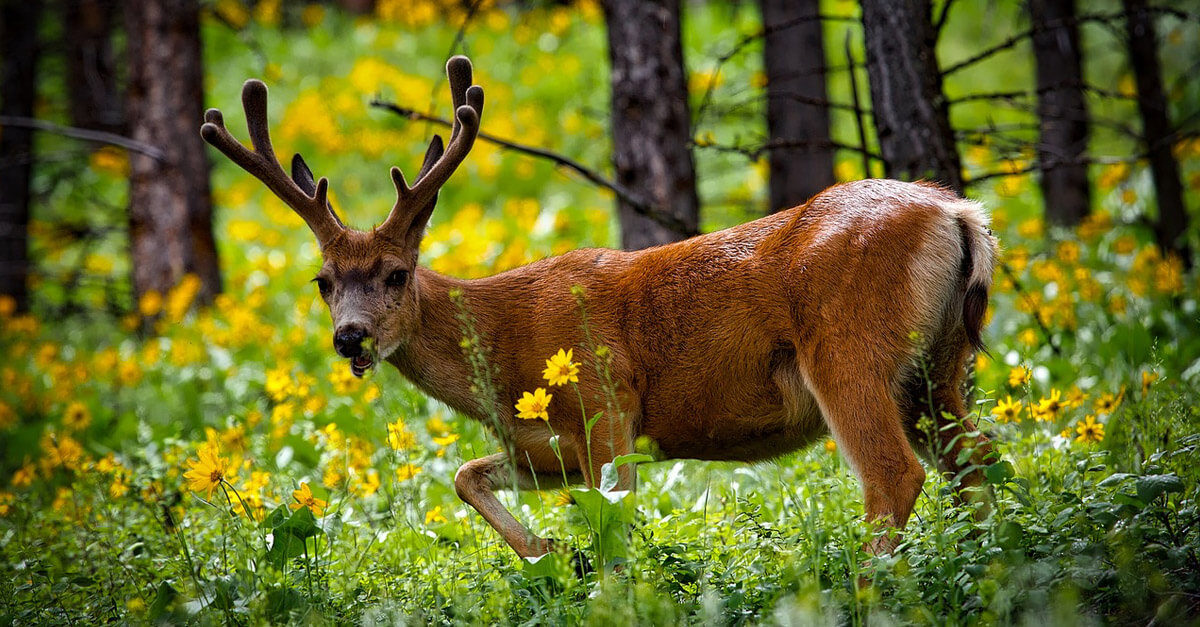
{"x": 742, "y": 344}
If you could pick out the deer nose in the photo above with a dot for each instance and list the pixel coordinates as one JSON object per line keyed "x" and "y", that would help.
{"x": 347, "y": 341}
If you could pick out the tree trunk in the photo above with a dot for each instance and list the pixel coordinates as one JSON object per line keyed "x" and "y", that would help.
{"x": 170, "y": 207}
{"x": 95, "y": 102}
{"x": 911, "y": 112}
{"x": 651, "y": 122}
{"x": 19, "y": 44}
{"x": 1062, "y": 111}
{"x": 794, "y": 59}
{"x": 1170, "y": 230}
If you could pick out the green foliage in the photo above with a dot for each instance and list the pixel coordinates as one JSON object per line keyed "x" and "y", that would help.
{"x": 1093, "y": 515}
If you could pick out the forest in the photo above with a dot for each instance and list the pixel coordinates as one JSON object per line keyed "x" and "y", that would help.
{"x": 183, "y": 440}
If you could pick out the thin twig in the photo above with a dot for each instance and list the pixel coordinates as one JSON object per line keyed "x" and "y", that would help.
{"x": 102, "y": 137}
{"x": 806, "y": 145}
{"x": 858, "y": 112}
{"x": 1037, "y": 316}
{"x": 622, "y": 192}
{"x": 1026, "y": 34}
{"x": 941, "y": 19}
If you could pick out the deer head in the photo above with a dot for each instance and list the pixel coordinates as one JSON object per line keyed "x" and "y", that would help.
{"x": 367, "y": 278}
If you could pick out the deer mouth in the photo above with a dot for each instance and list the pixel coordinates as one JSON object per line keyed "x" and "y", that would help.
{"x": 361, "y": 364}
{"x": 365, "y": 360}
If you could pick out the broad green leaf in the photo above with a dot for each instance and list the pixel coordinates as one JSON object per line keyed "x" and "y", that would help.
{"x": 1150, "y": 487}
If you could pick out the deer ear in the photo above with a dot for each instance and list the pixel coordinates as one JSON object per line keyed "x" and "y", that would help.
{"x": 416, "y": 228}
{"x": 303, "y": 177}
{"x": 432, "y": 154}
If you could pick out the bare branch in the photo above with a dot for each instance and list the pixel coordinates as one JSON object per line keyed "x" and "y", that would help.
{"x": 811, "y": 145}
{"x": 101, "y": 137}
{"x": 635, "y": 201}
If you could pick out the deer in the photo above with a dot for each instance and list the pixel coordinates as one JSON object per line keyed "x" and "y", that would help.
{"x": 852, "y": 315}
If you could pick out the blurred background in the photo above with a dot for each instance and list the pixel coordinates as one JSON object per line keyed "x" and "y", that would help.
{"x": 155, "y": 297}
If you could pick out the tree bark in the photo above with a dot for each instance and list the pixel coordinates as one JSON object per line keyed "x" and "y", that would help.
{"x": 911, "y": 113}
{"x": 651, "y": 122}
{"x": 95, "y": 102}
{"x": 170, "y": 206}
{"x": 1062, "y": 111}
{"x": 794, "y": 60}
{"x": 1170, "y": 229}
{"x": 18, "y": 87}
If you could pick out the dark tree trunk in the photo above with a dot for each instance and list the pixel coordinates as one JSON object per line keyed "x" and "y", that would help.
{"x": 794, "y": 59}
{"x": 911, "y": 112}
{"x": 170, "y": 208}
{"x": 651, "y": 122}
{"x": 19, "y": 45}
{"x": 1062, "y": 111}
{"x": 95, "y": 101}
{"x": 1170, "y": 230}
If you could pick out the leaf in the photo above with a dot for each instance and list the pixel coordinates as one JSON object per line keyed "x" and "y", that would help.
{"x": 276, "y": 517}
{"x": 291, "y": 535}
{"x": 552, "y": 565}
{"x": 163, "y": 599}
{"x": 596, "y": 418}
{"x": 999, "y": 473}
{"x": 1113, "y": 479}
{"x": 631, "y": 458}
{"x": 1150, "y": 487}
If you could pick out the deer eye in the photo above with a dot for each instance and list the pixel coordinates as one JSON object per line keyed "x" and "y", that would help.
{"x": 322, "y": 285}
{"x": 397, "y": 278}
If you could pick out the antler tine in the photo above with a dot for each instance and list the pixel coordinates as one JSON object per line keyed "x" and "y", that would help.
{"x": 438, "y": 166}
{"x": 263, "y": 165}
{"x": 459, "y": 71}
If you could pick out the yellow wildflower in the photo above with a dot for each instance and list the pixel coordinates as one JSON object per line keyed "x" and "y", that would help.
{"x": 435, "y": 515}
{"x": 6, "y": 500}
{"x": 207, "y": 471}
{"x": 118, "y": 487}
{"x": 304, "y": 498}
{"x": 399, "y": 437}
{"x": 1089, "y": 430}
{"x": 150, "y": 304}
{"x": 279, "y": 383}
{"x": 368, "y": 485}
{"x": 1075, "y": 397}
{"x": 77, "y": 416}
{"x": 437, "y": 426}
{"x": 1148, "y": 379}
{"x": 532, "y": 406}
{"x": 60, "y": 450}
{"x": 1107, "y": 403}
{"x": 406, "y": 472}
{"x": 830, "y": 446}
{"x": 1049, "y": 408}
{"x": 24, "y": 476}
{"x": 560, "y": 369}
{"x": 1019, "y": 376}
{"x": 446, "y": 440}
{"x": 1007, "y": 410}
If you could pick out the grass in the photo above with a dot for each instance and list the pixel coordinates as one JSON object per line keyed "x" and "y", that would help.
{"x": 99, "y": 424}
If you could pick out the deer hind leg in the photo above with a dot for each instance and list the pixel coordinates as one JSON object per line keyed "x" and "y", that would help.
{"x": 939, "y": 392}
{"x": 866, "y": 424}
{"x": 476, "y": 483}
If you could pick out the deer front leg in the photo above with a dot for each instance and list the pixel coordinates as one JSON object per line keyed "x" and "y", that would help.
{"x": 476, "y": 483}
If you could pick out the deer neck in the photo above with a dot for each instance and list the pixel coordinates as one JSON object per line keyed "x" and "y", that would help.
{"x": 433, "y": 359}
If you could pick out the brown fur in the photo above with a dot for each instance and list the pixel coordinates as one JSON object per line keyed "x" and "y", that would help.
{"x": 743, "y": 344}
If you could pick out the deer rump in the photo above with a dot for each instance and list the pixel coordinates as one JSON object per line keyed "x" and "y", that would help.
{"x": 723, "y": 343}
